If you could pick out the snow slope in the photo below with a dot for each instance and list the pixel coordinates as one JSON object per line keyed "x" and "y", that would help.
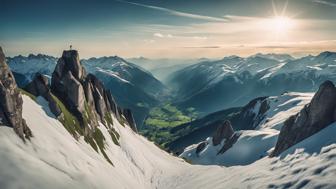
{"x": 252, "y": 144}
{"x": 54, "y": 159}
{"x": 58, "y": 160}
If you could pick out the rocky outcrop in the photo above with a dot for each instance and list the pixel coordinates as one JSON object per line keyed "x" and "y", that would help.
{"x": 130, "y": 119}
{"x": 200, "y": 147}
{"x": 254, "y": 112}
{"x": 229, "y": 143}
{"x": 97, "y": 96}
{"x": 83, "y": 94}
{"x": 224, "y": 131}
{"x": 11, "y": 101}
{"x": 40, "y": 87}
{"x": 66, "y": 83}
{"x": 314, "y": 117}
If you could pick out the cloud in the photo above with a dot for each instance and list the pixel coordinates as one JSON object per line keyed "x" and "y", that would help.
{"x": 240, "y": 18}
{"x": 325, "y": 3}
{"x": 274, "y": 47}
{"x": 160, "y": 35}
{"x": 203, "y": 47}
{"x": 177, "y": 13}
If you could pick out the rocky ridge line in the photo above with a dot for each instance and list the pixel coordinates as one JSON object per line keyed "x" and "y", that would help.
{"x": 315, "y": 116}
{"x": 11, "y": 101}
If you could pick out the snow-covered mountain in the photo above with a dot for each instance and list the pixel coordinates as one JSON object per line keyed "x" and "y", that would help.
{"x": 234, "y": 80}
{"x": 126, "y": 72}
{"x": 30, "y": 65}
{"x": 265, "y": 113}
{"x": 290, "y": 121}
{"x": 124, "y": 78}
{"x": 265, "y": 119}
{"x": 54, "y": 157}
{"x": 279, "y": 57}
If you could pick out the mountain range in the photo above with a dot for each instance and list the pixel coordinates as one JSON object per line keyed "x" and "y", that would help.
{"x": 233, "y": 81}
{"x": 68, "y": 131}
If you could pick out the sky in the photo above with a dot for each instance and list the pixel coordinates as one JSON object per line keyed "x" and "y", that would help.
{"x": 168, "y": 28}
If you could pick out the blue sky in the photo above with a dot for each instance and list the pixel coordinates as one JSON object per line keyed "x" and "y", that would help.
{"x": 168, "y": 29}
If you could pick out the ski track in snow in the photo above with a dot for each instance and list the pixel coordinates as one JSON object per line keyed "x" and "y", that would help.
{"x": 54, "y": 159}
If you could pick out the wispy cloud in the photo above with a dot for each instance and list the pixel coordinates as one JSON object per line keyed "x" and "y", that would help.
{"x": 274, "y": 47}
{"x": 177, "y": 13}
{"x": 203, "y": 47}
{"x": 325, "y": 3}
{"x": 160, "y": 35}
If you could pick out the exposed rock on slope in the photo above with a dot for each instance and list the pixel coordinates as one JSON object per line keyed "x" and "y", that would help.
{"x": 11, "y": 101}
{"x": 129, "y": 117}
{"x": 311, "y": 119}
{"x": 84, "y": 95}
{"x": 40, "y": 87}
{"x": 66, "y": 83}
{"x": 224, "y": 131}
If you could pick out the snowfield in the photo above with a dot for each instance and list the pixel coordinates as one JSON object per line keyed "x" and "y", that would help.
{"x": 253, "y": 144}
{"x": 54, "y": 159}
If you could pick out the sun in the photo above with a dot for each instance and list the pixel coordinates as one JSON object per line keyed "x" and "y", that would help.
{"x": 281, "y": 24}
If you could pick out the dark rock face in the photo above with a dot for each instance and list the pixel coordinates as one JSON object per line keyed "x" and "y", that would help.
{"x": 314, "y": 117}
{"x": 67, "y": 84}
{"x": 252, "y": 119}
{"x": 201, "y": 147}
{"x": 229, "y": 143}
{"x": 40, "y": 87}
{"x": 130, "y": 119}
{"x": 11, "y": 101}
{"x": 97, "y": 96}
{"x": 84, "y": 95}
{"x": 224, "y": 131}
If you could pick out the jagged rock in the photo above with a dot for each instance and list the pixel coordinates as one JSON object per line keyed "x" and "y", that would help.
{"x": 66, "y": 84}
{"x": 229, "y": 143}
{"x": 129, "y": 117}
{"x": 40, "y": 87}
{"x": 70, "y": 62}
{"x": 11, "y": 101}
{"x": 83, "y": 94}
{"x": 224, "y": 131}
{"x": 253, "y": 117}
{"x": 113, "y": 104}
{"x": 97, "y": 96}
{"x": 314, "y": 117}
{"x": 201, "y": 147}
{"x": 75, "y": 92}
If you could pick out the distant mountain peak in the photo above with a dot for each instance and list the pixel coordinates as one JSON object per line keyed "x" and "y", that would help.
{"x": 275, "y": 56}
{"x": 326, "y": 54}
